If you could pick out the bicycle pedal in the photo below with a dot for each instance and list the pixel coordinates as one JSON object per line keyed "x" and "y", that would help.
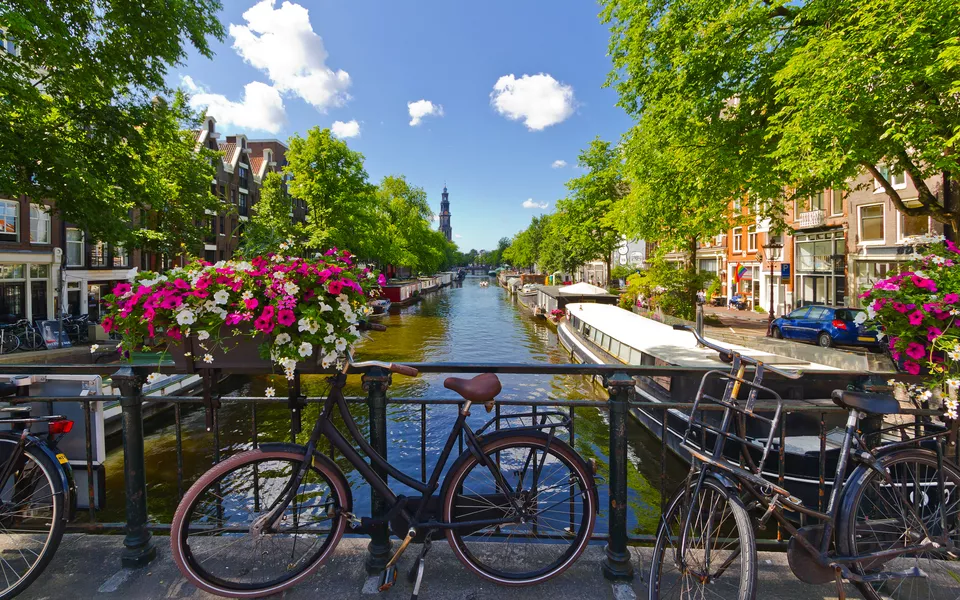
{"x": 388, "y": 577}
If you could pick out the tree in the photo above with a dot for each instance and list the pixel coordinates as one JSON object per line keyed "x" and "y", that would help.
{"x": 270, "y": 223}
{"x": 494, "y": 258}
{"x": 524, "y": 250}
{"x": 805, "y": 96}
{"x": 77, "y": 98}
{"x": 406, "y": 237}
{"x": 330, "y": 178}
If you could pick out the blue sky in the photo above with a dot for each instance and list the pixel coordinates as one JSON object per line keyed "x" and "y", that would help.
{"x": 270, "y": 73}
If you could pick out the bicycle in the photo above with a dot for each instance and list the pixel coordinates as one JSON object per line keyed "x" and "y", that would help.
{"x": 283, "y": 507}
{"x": 9, "y": 342}
{"x": 27, "y": 336}
{"x": 37, "y": 495}
{"x": 891, "y": 526}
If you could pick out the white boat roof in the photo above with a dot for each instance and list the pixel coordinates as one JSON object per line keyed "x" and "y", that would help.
{"x": 582, "y": 289}
{"x": 674, "y": 347}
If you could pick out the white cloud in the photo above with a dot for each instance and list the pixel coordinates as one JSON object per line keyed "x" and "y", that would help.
{"x": 345, "y": 130}
{"x": 435, "y": 217}
{"x": 531, "y": 203}
{"x": 538, "y": 100}
{"x": 260, "y": 107}
{"x": 282, "y": 43}
{"x": 559, "y": 164}
{"x": 423, "y": 108}
{"x": 457, "y": 235}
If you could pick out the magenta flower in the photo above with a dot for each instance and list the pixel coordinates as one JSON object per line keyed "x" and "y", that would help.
{"x": 895, "y": 355}
{"x": 251, "y": 303}
{"x": 952, "y": 247}
{"x": 911, "y": 367}
{"x": 286, "y": 317}
{"x": 181, "y": 284}
{"x": 174, "y": 332}
{"x": 933, "y": 333}
{"x": 915, "y": 318}
{"x": 121, "y": 289}
{"x": 335, "y": 287}
{"x": 929, "y": 307}
{"x": 107, "y": 324}
{"x": 915, "y": 351}
{"x": 381, "y": 279}
{"x": 233, "y": 319}
{"x": 264, "y": 325}
{"x": 900, "y": 307}
{"x": 268, "y": 312}
{"x": 951, "y": 298}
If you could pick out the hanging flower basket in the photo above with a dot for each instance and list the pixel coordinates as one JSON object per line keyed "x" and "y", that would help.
{"x": 271, "y": 311}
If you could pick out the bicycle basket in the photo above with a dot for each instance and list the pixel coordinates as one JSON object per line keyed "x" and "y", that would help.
{"x": 739, "y": 437}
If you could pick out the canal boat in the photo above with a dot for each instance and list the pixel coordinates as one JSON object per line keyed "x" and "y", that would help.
{"x": 380, "y": 306}
{"x": 429, "y": 284}
{"x": 402, "y": 293}
{"x": 604, "y": 334}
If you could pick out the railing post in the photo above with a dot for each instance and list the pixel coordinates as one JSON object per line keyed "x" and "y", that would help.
{"x": 138, "y": 543}
{"x": 375, "y": 382}
{"x": 617, "y": 565}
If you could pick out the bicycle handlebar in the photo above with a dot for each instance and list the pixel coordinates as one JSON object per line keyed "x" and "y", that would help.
{"x": 728, "y": 352}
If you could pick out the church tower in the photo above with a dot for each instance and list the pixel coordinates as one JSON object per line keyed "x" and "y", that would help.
{"x": 445, "y": 228}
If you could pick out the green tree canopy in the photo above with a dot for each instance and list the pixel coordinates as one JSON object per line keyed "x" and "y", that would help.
{"x": 270, "y": 222}
{"x": 524, "y": 250}
{"x": 77, "y": 115}
{"x": 406, "y": 237}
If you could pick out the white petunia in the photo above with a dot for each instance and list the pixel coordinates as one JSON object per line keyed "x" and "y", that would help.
{"x": 154, "y": 377}
{"x": 329, "y": 327}
{"x": 208, "y": 358}
{"x": 860, "y": 318}
{"x": 328, "y": 360}
{"x": 341, "y": 345}
{"x": 291, "y": 288}
{"x": 330, "y": 339}
{"x": 186, "y": 317}
{"x": 94, "y": 348}
{"x": 303, "y": 324}
{"x": 246, "y": 295}
{"x": 282, "y": 338}
{"x": 305, "y": 349}
{"x": 288, "y": 364}
{"x": 278, "y": 274}
{"x": 203, "y": 335}
{"x": 269, "y": 392}
{"x": 221, "y": 297}
{"x": 325, "y": 307}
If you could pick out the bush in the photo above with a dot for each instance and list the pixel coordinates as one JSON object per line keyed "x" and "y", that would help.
{"x": 668, "y": 288}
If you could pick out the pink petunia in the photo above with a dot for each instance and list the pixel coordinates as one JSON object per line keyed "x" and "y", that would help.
{"x": 264, "y": 325}
{"x": 181, "y": 284}
{"x": 915, "y": 351}
{"x": 895, "y": 355}
{"x": 912, "y": 367}
{"x": 107, "y": 324}
{"x": 268, "y": 312}
{"x": 933, "y": 333}
{"x": 251, "y": 303}
{"x": 121, "y": 289}
{"x": 951, "y": 298}
{"x": 335, "y": 287}
{"x": 233, "y": 319}
{"x": 900, "y": 307}
{"x": 381, "y": 279}
{"x": 175, "y": 333}
{"x": 286, "y": 317}
{"x": 915, "y": 318}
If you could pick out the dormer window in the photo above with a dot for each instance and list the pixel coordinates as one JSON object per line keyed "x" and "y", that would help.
{"x": 210, "y": 125}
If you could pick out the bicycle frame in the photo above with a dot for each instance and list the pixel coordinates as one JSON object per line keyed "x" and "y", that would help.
{"x": 325, "y": 427}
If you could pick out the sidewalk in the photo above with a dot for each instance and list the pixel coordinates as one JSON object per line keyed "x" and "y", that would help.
{"x": 88, "y": 566}
{"x": 746, "y": 322}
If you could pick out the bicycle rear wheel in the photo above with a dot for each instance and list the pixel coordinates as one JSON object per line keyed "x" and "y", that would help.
{"x": 30, "y": 340}
{"x": 216, "y": 538}
{"x": 878, "y": 515}
{"x": 550, "y": 483}
{"x": 720, "y": 558}
{"x": 9, "y": 343}
{"x": 32, "y": 517}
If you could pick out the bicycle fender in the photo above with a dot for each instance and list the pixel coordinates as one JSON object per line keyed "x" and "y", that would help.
{"x": 65, "y": 480}
{"x": 846, "y": 499}
{"x": 318, "y": 457}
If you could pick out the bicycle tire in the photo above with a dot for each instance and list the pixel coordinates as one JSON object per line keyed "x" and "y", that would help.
{"x": 471, "y": 553}
{"x": 712, "y": 492}
{"x": 30, "y": 340}
{"x": 9, "y": 344}
{"x": 51, "y": 479}
{"x": 201, "y": 576}
{"x": 861, "y": 530}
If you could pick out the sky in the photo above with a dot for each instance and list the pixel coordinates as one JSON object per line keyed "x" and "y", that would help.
{"x": 495, "y": 99}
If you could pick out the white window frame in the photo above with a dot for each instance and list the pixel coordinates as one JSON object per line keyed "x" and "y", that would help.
{"x": 752, "y": 238}
{"x": 883, "y": 213}
{"x": 833, "y": 193}
{"x": 16, "y": 213}
{"x": 738, "y": 239}
{"x": 901, "y": 217}
{"x": 892, "y": 178}
{"x": 68, "y": 242}
{"x": 42, "y": 216}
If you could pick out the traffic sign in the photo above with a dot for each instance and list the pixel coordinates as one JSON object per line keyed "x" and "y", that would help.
{"x": 784, "y": 270}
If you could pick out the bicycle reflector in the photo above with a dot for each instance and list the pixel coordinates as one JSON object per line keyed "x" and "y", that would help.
{"x": 61, "y": 427}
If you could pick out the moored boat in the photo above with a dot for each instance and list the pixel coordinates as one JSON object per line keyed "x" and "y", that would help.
{"x": 380, "y": 306}
{"x": 402, "y": 293}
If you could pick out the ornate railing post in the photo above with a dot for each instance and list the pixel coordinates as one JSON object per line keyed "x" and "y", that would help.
{"x": 375, "y": 382}
{"x": 138, "y": 543}
{"x": 617, "y": 565}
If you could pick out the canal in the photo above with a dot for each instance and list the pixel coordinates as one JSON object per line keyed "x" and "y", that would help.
{"x": 457, "y": 324}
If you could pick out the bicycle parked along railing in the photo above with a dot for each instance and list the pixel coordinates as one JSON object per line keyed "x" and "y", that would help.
{"x": 282, "y": 508}
{"x": 20, "y": 336}
{"x": 891, "y": 525}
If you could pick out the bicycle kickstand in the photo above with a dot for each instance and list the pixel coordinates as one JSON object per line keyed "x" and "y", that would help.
{"x": 838, "y": 577}
{"x": 416, "y": 572}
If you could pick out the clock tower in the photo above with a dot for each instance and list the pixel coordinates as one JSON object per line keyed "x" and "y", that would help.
{"x": 445, "y": 228}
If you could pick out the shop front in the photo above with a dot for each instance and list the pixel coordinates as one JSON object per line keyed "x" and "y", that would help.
{"x": 820, "y": 259}
{"x": 27, "y": 285}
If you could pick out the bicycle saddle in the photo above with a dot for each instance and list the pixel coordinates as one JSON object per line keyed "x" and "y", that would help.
{"x": 878, "y": 404}
{"x": 482, "y": 388}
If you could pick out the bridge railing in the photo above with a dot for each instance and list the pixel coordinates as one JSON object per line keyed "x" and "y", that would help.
{"x": 619, "y": 381}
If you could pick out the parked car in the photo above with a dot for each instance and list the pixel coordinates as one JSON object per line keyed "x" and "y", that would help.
{"x": 825, "y": 326}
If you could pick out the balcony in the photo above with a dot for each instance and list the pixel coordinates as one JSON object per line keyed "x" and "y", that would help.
{"x": 813, "y": 218}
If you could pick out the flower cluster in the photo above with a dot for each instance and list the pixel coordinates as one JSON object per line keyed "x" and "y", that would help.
{"x": 303, "y": 307}
{"x": 558, "y": 313}
{"x": 917, "y": 311}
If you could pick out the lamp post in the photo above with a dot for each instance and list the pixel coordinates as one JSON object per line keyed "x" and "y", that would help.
{"x": 773, "y": 255}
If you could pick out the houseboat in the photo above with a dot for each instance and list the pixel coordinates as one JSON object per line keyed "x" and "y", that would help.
{"x": 402, "y": 293}
{"x": 551, "y": 297}
{"x": 429, "y": 284}
{"x": 604, "y": 334}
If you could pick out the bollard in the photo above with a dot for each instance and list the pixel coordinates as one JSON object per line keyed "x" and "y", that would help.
{"x": 138, "y": 543}
{"x": 375, "y": 382}
{"x": 616, "y": 565}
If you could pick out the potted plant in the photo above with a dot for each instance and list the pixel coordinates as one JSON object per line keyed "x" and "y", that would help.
{"x": 917, "y": 314}
{"x": 270, "y": 310}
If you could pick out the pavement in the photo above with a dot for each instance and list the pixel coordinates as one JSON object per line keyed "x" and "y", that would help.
{"x": 745, "y": 322}
{"x": 88, "y": 566}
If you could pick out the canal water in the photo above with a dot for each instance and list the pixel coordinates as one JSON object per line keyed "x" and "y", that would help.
{"x": 468, "y": 323}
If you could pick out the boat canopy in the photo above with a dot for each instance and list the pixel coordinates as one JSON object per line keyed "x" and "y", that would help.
{"x": 583, "y": 289}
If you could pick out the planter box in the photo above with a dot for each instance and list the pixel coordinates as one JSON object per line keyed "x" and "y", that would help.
{"x": 231, "y": 352}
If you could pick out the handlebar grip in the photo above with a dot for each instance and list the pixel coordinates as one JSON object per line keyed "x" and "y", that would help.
{"x": 680, "y": 327}
{"x": 404, "y": 370}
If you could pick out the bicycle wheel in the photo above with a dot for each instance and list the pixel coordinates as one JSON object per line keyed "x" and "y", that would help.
{"x": 719, "y": 522}
{"x": 552, "y": 486}
{"x": 877, "y": 515}
{"x": 30, "y": 340}
{"x": 213, "y": 535}
{"x": 9, "y": 343}
{"x": 32, "y": 517}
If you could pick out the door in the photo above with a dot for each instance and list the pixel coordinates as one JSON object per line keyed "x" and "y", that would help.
{"x": 38, "y": 300}
{"x": 790, "y": 327}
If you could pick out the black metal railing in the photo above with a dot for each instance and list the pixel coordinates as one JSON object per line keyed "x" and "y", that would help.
{"x": 620, "y": 382}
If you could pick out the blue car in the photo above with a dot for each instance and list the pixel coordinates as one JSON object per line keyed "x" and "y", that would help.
{"x": 825, "y": 326}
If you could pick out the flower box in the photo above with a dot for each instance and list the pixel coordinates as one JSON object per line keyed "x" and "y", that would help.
{"x": 231, "y": 352}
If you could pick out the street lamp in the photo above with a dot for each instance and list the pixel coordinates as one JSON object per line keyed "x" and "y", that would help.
{"x": 773, "y": 255}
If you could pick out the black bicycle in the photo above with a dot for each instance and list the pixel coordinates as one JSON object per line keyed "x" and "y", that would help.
{"x": 891, "y": 526}
{"x": 264, "y": 520}
{"x": 37, "y": 494}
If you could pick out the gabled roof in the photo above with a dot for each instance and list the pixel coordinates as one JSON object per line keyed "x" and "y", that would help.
{"x": 231, "y": 154}
{"x": 257, "y": 165}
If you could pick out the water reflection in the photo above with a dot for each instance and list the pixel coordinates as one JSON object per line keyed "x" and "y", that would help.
{"x": 465, "y": 324}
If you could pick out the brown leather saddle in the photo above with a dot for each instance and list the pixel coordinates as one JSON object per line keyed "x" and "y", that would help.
{"x": 480, "y": 389}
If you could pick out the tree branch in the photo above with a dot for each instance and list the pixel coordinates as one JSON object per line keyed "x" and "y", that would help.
{"x": 936, "y": 210}
{"x": 917, "y": 211}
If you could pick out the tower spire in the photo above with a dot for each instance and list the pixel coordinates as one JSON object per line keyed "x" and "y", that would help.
{"x": 445, "y": 228}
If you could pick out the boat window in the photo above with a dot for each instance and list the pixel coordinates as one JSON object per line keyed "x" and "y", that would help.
{"x": 595, "y": 336}
{"x": 586, "y": 330}
{"x": 603, "y": 340}
{"x": 625, "y": 353}
{"x": 614, "y": 347}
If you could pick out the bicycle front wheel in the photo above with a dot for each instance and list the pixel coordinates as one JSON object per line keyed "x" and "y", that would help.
{"x": 32, "y": 517}
{"x": 30, "y": 340}
{"x": 9, "y": 344}
{"x": 719, "y": 557}
{"x": 525, "y": 514}
{"x": 218, "y": 537}
{"x": 911, "y": 509}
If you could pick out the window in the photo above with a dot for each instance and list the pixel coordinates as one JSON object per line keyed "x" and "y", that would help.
{"x": 817, "y": 201}
{"x": 871, "y": 223}
{"x": 913, "y": 225}
{"x": 799, "y": 206}
{"x": 223, "y": 193}
{"x": 707, "y": 265}
{"x": 799, "y": 313}
{"x": 74, "y": 248}
{"x": 121, "y": 258}
{"x": 836, "y": 202}
{"x": 242, "y": 204}
{"x": 242, "y": 177}
{"x": 39, "y": 225}
{"x": 98, "y": 254}
{"x": 897, "y": 179}
{"x": 752, "y": 238}
{"x": 738, "y": 239}
{"x": 223, "y": 228}
{"x": 736, "y": 205}
{"x": 39, "y": 271}
{"x": 213, "y": 226}
{"x": 9, "y": 218}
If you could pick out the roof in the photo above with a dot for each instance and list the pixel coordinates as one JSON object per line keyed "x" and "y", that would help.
{"x": 668, "y": 344}
{"x": 229, "y": 150}
{"x": 256, "y": 165}
{"x": 583, "y": 289}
